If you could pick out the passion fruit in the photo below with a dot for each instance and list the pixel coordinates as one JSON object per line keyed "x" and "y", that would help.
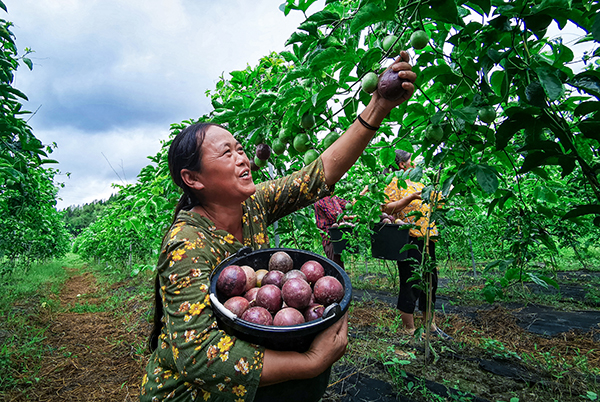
{"x": 310, "y": 156}
{"x": 301, "y": 142}
{"x": 487, "y": 114}
{"x": 390, "y": 85}
{"x": 308, "y": 121}
{"x": 419, "y": 39}
{"x": 369, "y": 82}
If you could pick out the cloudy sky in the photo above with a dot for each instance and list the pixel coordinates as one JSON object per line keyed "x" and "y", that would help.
{"x": 110, "y": 76}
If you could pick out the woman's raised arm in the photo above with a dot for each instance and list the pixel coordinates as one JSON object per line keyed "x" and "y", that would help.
{"x": 343, "y": 153}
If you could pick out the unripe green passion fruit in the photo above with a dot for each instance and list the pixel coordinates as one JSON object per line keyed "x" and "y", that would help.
{"x": 369, "y": 82}
{"x": 330, "y": 139}
{"x": 487, "y": 114}
{"x": 310, "y": 156}
{"x": 419, "y": 39}
{"x": 301, "y": 142}
{"x": 388, "y": 42}
{"x": 278, "y": 146}
{"x": 308, "y": 121}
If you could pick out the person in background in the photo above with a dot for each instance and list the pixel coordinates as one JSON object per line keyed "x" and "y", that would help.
{"x": 400, "y": 203}
{"x": 327, "y": 212}
{"x": 220, "y": 211}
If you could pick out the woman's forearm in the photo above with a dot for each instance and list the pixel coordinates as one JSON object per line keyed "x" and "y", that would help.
{"x": 344, "y": 152}
{"x": 285, "y": 366}
{"x": 397, "y": 206}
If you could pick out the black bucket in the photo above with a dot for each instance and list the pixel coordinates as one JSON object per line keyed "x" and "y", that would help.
{"x": 296, "y": 337}
{"x": 388, "y": 239}
{"x": 337, "y": 239}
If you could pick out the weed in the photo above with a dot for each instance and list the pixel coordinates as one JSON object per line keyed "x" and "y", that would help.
{"x": 497, "y": 349}
{"x": 87, "y": 308}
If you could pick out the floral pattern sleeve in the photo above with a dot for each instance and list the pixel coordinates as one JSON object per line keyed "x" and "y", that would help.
{"x": 291, "y": 193}
{"x": 195, "y": 360}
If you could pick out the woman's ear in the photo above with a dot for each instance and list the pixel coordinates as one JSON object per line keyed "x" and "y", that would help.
{"x": 191, "y": 179}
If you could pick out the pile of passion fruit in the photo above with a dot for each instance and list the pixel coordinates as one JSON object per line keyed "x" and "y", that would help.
{"x": 281, "y": 295}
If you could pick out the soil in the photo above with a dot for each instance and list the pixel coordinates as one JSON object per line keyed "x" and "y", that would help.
{"x": 89, "y": 355}
{"x": 96, "y": 354}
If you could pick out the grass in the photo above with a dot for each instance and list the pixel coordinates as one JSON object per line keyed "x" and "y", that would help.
{"x": 23, "y": 294}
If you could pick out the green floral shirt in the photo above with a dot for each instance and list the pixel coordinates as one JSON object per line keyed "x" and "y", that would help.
{"x": 195, "y": 360}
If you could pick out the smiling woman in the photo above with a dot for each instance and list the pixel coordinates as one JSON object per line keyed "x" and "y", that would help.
{"x": 221, "y": 211}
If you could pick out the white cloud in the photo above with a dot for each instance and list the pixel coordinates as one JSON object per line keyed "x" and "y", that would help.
{"x": 96, "y": 161}
{"x": 111, "y": 76}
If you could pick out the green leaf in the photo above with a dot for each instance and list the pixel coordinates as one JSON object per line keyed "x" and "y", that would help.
{"x": 324, "y": 17}
{"x": 289, "y": 56}
{"x": 590, "y": 129}
{"x": 325, "y": 94}
{"x": 587, "y": 81}
{"x": 582, "y": 210}
{"x": 350, "y": 108}
{"x": 447, "y": 186}
{"x": 510, "y": 127}
{"x": 596, "y": 27}
{"x": 387, "y": 156}
{"x": 299, "y": 37}
{"x": 585, "y": 108}
{"x": 468, "y": 114}
{"x": 326, "y": 58}
{"x": 2, "y": 6}
{"x": 135, "y": 222}
{"x": 416, "y": 174}
{"x": 262, "y": 98}
{"x": 484, "y": 5}
{"x": 584, "y": 147}
{"x": 370, "y": 57}
{"x": 487, "y": 177}
{"x": 371, "y": 13}
{"x": 369, "y": 160}
{"x": 28, "y": 62}
{"x": 442, "y": 10}
{"x": 550, "y": 82}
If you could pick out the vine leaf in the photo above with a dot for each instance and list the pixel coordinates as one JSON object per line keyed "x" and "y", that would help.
{"x": 596, "y": 27}
{"x": 582, "y": 210}
{"x": 487, "y": 177}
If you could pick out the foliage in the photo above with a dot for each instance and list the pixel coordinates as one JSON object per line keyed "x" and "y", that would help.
{"x": 533, "y": 170}
{"x": 30, "y": 226}
{"x": 78, "y": 217}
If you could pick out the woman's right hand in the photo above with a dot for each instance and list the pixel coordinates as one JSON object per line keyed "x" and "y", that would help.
{"x": 326, "y": 349}
{"x": 416, "y": 195}
{"x": 329, "y": 346}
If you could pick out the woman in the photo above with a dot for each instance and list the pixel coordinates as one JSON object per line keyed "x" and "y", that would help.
{"x": 400, "y": 203}
{"x": 327, "y": 212}
{"x": 220, "y": 211}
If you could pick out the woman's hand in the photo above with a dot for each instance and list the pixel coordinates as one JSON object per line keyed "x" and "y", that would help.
{"x": 326, "y": 349}
{"x": 405, "y": 72}
{"x": 329, "y": 346}
{"x": 416, "y": 195}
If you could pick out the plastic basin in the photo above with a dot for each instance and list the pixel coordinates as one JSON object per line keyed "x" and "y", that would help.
{"x": 297, "y": 337}
{"x": 388, "y": 239}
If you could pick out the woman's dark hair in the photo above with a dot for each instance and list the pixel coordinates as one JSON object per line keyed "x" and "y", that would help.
{"x": 185, "y": 152}
{"x": 401, "y": 156}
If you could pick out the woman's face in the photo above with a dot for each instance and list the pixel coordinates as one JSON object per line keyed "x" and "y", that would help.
{"x": 225, "y": 171}
{"x": 407, "y": 165}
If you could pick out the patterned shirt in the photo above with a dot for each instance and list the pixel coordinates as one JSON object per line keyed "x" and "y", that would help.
{"x": 327, "y": 211}
{"x": 195, "y": 360}
{"x": 395, "y": 193}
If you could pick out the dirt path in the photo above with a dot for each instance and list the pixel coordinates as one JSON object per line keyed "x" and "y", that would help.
{"x": 88, "y": 356}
